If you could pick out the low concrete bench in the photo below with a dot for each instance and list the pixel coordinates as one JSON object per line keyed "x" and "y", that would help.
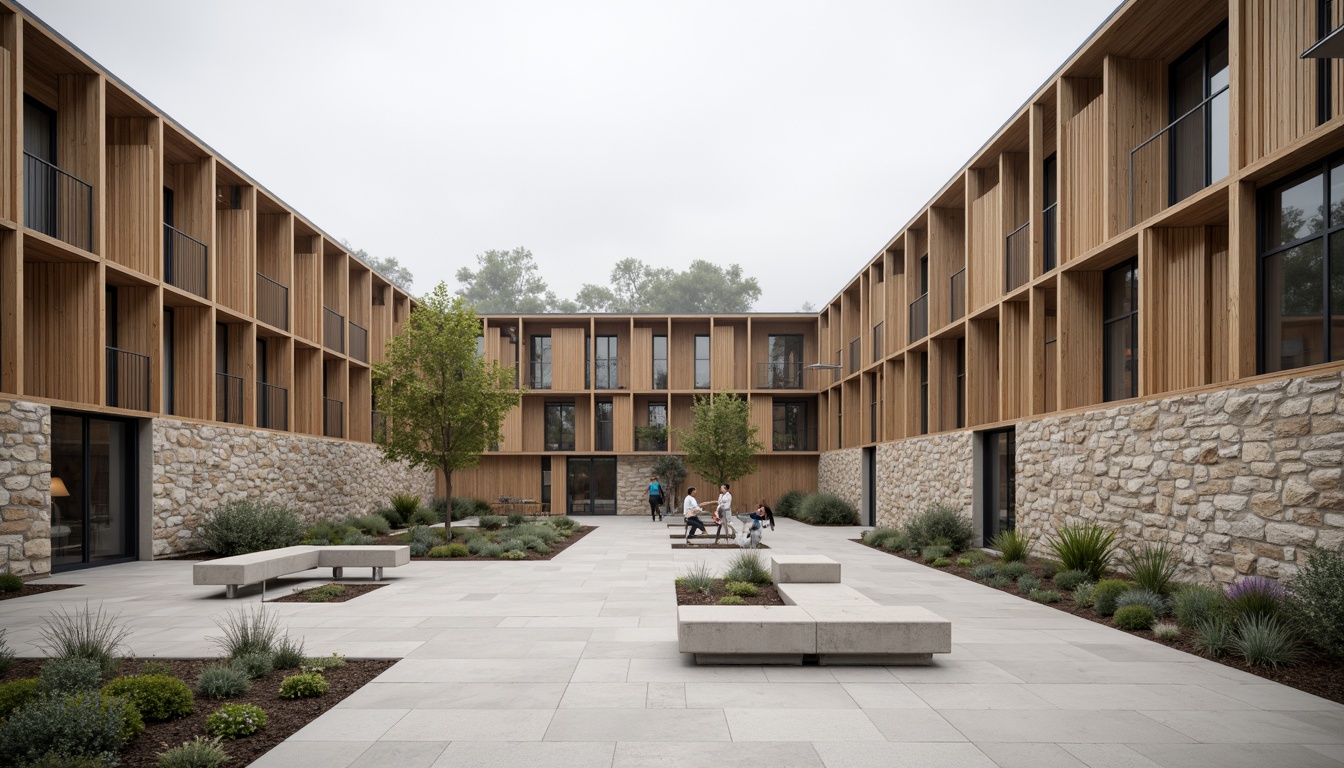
{"x": 254, "y": 567}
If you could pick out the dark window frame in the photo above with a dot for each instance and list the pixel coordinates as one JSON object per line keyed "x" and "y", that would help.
{"x": 558, "y": 408}
{"x": 606, "y": 362}
{"x": 792, "y": 416}
{"x": 1202, "y": 48}
{"x": 604, "y": 422}
{"x": 539, "y": 346}
{"x": 707, "y": 360}
{"x": 660, "y": 358}
{"x": 1111, "y": 316}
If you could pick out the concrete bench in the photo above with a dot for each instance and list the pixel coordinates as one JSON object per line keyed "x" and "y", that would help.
{"x": 804, "y": 569}
{"x": 254, "y": 567}
{"x": 810, "y": 595}
{"x": 746, "y": 634}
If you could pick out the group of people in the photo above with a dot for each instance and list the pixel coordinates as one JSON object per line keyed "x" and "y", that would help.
{"x": 723, "y": 512}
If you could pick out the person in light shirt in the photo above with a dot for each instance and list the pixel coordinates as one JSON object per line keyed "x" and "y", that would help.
{"x": 690, "y": 510}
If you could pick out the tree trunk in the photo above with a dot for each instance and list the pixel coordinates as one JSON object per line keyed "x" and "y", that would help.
{"x": 448, "y": 510}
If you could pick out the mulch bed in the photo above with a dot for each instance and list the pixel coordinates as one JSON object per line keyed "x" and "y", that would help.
{"x": 36, "y": 588}
{"x": 1315, "y": 673}
{"x": 708, "y": 544}
{"x": 687, "y": 596}
{"x": 283, "y": 716}
{"x": 306, "y": 595}
{"x": 556, "y": 548}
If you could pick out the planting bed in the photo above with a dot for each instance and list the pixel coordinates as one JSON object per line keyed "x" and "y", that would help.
{"x": 709, "y": 544}
{"x": 324, "y": 593}
{"x": 36, "y": 588}
{"x": 768, "y": 595}
{"x": 556, "y": 548}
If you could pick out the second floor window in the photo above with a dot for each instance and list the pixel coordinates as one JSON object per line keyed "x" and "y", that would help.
{"x": 541, "y": 362}
{"x": 789, "y": 428}
{"x": 785, "y": 368}
{"x": 660, "y": 362}
{"x": 602, "y": 435}
{"x": 1120, "y": 332}
{"x": 606, "y": 357}
{"x": 702, "y": 362}
{"x": 1049, "y": 213}
{"x": 877, "y": 342}
{"x": 559, "y": 426}
{"x": 653, "y": 437}
{"x": 1199, "y": 114}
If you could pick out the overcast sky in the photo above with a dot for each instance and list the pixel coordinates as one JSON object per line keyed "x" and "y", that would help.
{"x": 792, "y": 138}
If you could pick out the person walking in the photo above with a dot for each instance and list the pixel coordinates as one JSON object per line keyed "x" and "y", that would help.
{"x": 655, "y": 499}
{"x": 690, "y": 510}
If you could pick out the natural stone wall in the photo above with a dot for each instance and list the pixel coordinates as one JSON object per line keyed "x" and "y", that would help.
{"x": 1239, "y": 480}
{"x": 841, "y": 473}
{"x": 632, "y": 485}
{"x": 198, "y": 467}
{"x": 915, "y": 474}
{"x": 25, "y": 488}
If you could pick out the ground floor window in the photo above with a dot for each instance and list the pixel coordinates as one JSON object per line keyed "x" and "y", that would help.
{"x": 93, "y": 490}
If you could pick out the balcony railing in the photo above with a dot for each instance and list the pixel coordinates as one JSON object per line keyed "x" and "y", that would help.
{"x": 333, "y": 417}
{"x": 127, "y": 379}
{"x": 333, "y": 329}
{"x": 379, "y": 427}
{"x": 272, "y": 406}
{"x": 919, "y": 318}
{"x": 1017, "y": 258}
{"x": 228, "y": 397}
{"x": 794, "y": 440}
{"x": 359, "y": 342}
{"x": 56, "y": 203}
{"x": 957, "y": 296}
{"x": 272, "y": 302}
{"x": 1154, "y": 160}
{"x": 186, "y": 261}
{"x": 779, "y": 375}
{"x": 1049, "y": 237}
{"x": 855, "y": 348}
{"x": 651, "y": 438}
{"x": 541, "y": 376}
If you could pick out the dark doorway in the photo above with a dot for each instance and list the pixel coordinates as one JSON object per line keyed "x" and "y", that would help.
{"x": 591, "y": 486}
{"x": 999, "y": 478}
{"x": 93, "y": 478}
{"x": 870, "y": 486}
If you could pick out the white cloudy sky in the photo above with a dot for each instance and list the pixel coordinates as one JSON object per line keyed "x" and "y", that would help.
{"x": 793, "y": 138}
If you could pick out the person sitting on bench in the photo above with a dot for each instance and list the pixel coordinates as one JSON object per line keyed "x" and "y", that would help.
{"x": 690, "y": 510}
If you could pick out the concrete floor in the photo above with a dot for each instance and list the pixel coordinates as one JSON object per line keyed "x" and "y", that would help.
{"x": 573, "y": 662}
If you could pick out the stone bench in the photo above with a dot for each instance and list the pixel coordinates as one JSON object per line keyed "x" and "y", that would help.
{"x": 804, "y": 569}
{"x": 254, "y": 567}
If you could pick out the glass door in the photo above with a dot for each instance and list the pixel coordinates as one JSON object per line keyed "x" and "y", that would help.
{"x": 93, "y": 479}
{"x": 999, "y": 493}
{"x": 591, "y": 486}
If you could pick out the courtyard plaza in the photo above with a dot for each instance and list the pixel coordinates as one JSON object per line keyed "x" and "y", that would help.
{"x": 573, "y": 662}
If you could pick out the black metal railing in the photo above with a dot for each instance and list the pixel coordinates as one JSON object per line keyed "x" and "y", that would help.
{"x": 1158, "y": 166}
{"x": 333, "y": 417}
{"x": 272, "y": 302}
{"x": 1017, "y": 258}
{"x": 272, "y": 406}
{"x": 186, "y": 261}
{"x": 228, "y": 397}
{"x": 919, "y": 318}
{"x": 57, "y": 203}
{"x": 378, "y": 424}
{"x": 359, "y": 342}
{"x": 127, "y": 379}
{"x": 1049, "y": 237}
{"x": 333, "y": 329}
{"x": 794, "y": 440}
{"x": 541, "y": 376}
{"x": 855, "y": 348}
{"x": 956, "y": 305}
{"x": 778, "y": 374}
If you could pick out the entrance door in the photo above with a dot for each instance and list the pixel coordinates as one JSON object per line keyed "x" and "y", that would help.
{"x": 870, "y": 486}
{"x": 591, "y": 486}
{"x": 999, "y": 476}
{"x": 93, "y": 504}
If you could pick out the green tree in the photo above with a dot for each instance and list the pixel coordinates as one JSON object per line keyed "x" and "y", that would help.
{"x": 444, "y": 403}
{"x": 507, "y": 282}
{"x": 721, "y": 444}
{"x": 703, "y": 288}
{"x": 389, "y": 267}
{"x": 672, "y": 471}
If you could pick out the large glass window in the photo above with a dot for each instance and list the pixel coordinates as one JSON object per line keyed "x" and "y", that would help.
{"x": 602, "y": 435}
{"x": 1302, "y": 270}
{"x": 654, "y": 436}
{"x": 784, "y": 370}
{"x": 961, "y": 382}
{"x": 660, "y": 362}
{"x": 789, "y": 431}
{"x": 559, "y": 426}
{"x": 606, "y": 362}
{"x": 1050, "y": 213}
{"x": 922, "y": 360}
{"x": 1199, "y": 115}
{"x": 93, "y": 479}
{"x": 541, "y": 362}
{"x": 702, "y": 362}
{"x": 1120, "y": 332}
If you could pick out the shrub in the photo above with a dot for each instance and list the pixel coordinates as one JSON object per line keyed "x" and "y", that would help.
{"x": 698, "y": 578}
{"x": 742, "y": 589}
{"x": 1150, "y": 600}
{"x": 965, "y": 562}
{"x": 1317, "y": 599}
{"x": 62, "y": 677}
{"x": 491, "y": 522}
{"x": 11, "y": 582}
{"x": 444, "y": 550}
{"x": 1045, "y": 596}
{"x": 563, "y": 523}
{"x": 240, "y": 527}
{"x": 490, "y": 549}
{"x": 85, "y": 725}
{"x": 319, "y": 663}
{"x": 941, "y": 562}
{"x": 420, "y": 538}
{"x": 155, "y": 668}
{"x": 788, "y": 504}
{"x": 234, "y": 721}
{"x": 984, "y": 572}
{"x": 1027, "y": 582}
{"x": 826, "y": 509}
{"x": 1000, "y": 581}
{"x": 749, "y": 567}
{"x": 392, "y": 516}
{"x": 1213, "y": 635}
{"x": 1085, "y": 594}
{"x": 975, "y": 556}
{"x": 16, "y": 694}
{"x": 6, "y": 653}
{"x": 1152, "y": 567}
{"x": 1194, "y": 602}
{"x": 1049, "y": 568}
{"x": 1014, "y": 571}
{"x": 323, "y": 534}
{"x": 222, "y": 681}
{"x": 1086, "y": 547}
{"x": 1256, "y": 596}
{"x": 1013, "y": 545}
{"x": 1165, "y": 630}
{"x": 511, "y": 543}
{"x": 200, "y": 752}
{"x": 1265, "y": 641}
{"x": 731, "y": 600}
{"x": 514, "y": 554}
{"x": 1107, "y": 592}
{"x": 323, "y": 594}
{"x": 405, "y": 505}
{"x": 1069, "y": 580}
{"x": 426, "y": 517}
{"x": 516, "y": 519}
{"x": 84, "y": 635}
{"x": 940, "y": 525}
{"x": 254, "y": 631}
{"x": 158, "y": 697}
{"x": 303, "y": 686}
{"x": 374, "y": 525}
{"x": 935, "y": 552}
{"x": 288, "y": 653}
{"x": 1134, "y": 617}
{"x": 354, "y": 538}
{"x": 256, "y": 665}
{"x": 464, "y": 507}
{"x": 879, "y": 536}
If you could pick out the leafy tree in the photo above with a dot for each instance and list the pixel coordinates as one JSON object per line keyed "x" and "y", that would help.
{"x": 807, "y": 307}
{"x": 389, "y": 267}
{"x": 672, "y": 471}
{"x": 703, "y": 288}
{"x": 444, "y": 403}
{"x": 721, "y": 444}
{"x": 508, "y": 282}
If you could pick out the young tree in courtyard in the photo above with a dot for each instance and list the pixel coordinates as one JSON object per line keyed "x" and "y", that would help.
{"x": 672, "y": 471}
{"x": 443, "y": 402}
{"x": 721, "y": 444}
